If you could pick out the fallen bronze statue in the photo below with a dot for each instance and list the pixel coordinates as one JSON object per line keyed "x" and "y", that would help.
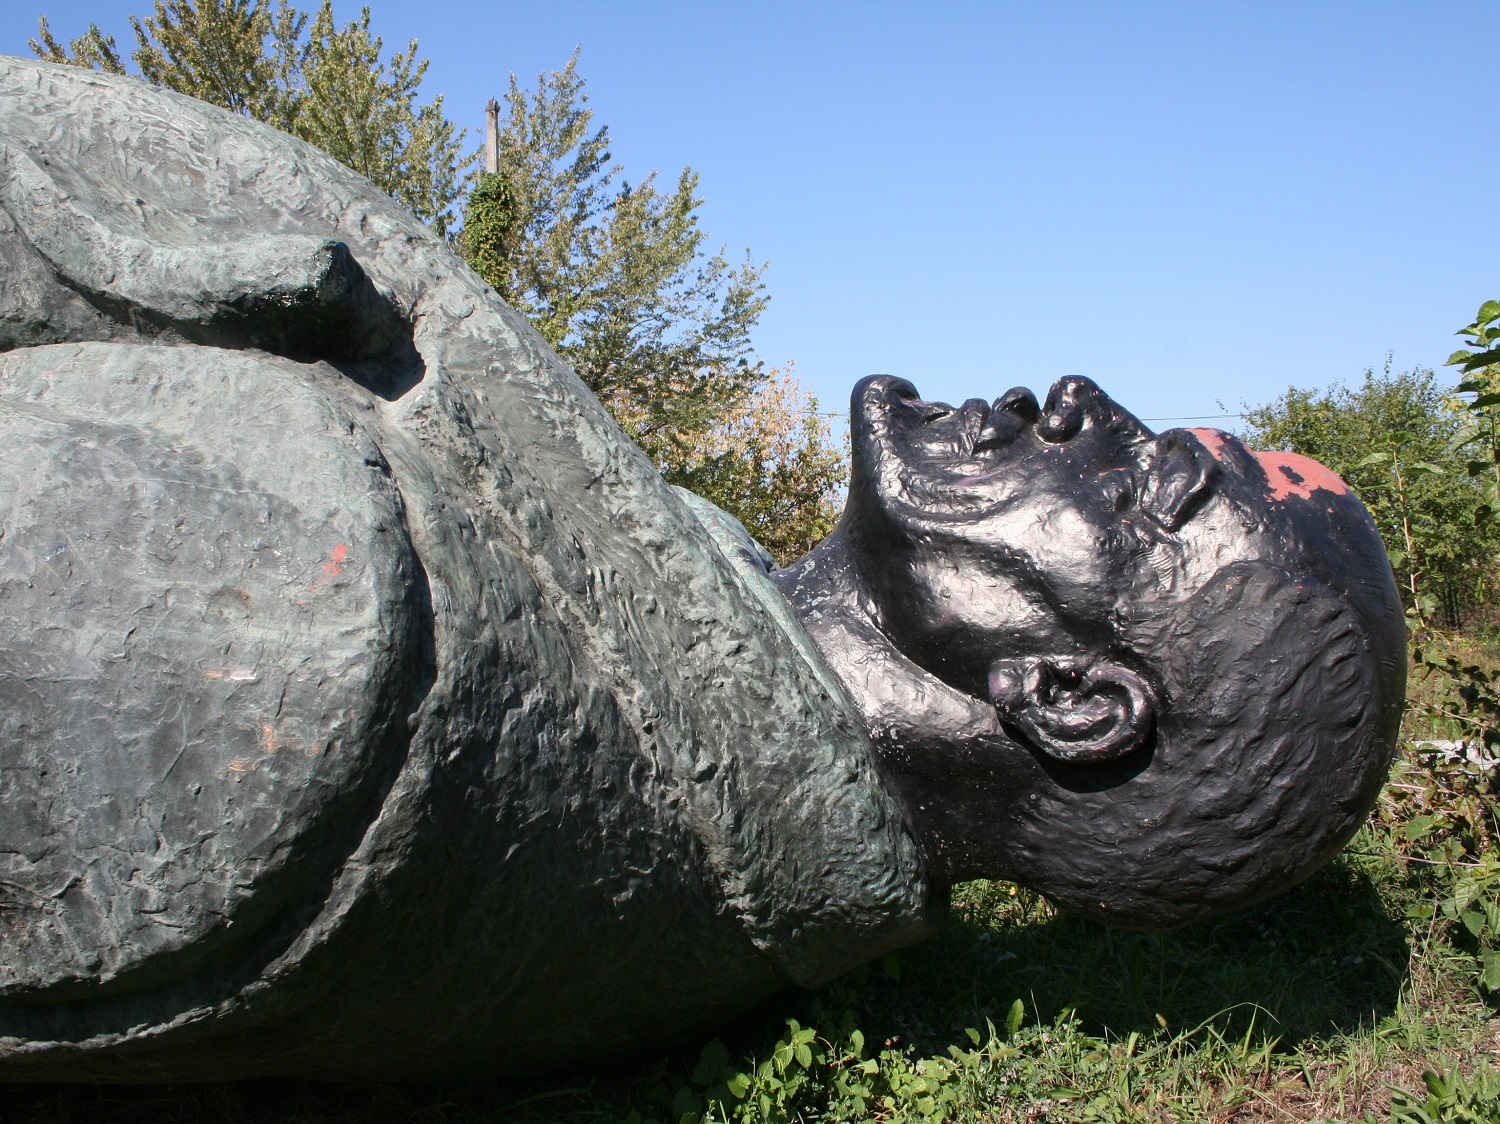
{"x": 371, "y": 709}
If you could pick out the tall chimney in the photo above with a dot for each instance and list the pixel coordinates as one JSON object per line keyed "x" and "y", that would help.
{"x": 492, "y": 137}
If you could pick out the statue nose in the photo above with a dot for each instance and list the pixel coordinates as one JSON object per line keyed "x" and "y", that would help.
{"x": 1071, "y": 402}
{"x": 1007, "y": 419}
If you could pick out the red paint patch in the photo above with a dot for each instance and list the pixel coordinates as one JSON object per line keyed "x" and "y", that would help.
{"x": 335, "y": 566}
{"x": 1292, "y": 474}
{"x": 1213, "y": 440}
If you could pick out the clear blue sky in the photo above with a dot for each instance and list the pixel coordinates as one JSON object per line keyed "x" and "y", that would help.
{"x": 1191, "y": 203}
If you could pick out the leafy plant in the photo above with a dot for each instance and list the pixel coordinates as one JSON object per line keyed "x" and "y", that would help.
{"x": 1441, "y": 812}
{"x": 1451, "y": 1099}
{"x": 1481, "y": 370}
{"x": 1398, "y": 441}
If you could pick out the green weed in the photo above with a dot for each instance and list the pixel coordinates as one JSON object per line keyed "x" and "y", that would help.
{"x": 1451, "y": 1099}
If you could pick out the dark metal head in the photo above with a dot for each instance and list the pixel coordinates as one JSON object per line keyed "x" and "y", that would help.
{"x": 1155, "y": 676}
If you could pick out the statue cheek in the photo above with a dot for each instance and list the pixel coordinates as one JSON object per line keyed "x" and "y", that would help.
{"x": 958, "y": 618}
{"x": 1079, "y": 554}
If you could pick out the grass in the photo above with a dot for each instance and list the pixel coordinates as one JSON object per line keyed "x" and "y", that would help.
{"x": 1359, "y": 995}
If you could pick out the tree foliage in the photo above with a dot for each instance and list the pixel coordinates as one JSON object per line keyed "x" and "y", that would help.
{"x": 325, "y": 83}
{"x": 614, "y": 277}
{"x": 234, "y": 53}
{"x": 1398, "y": 440}
{"x": 1479, "y": 393}
{"x": 773, "y": 463}
{"x": 617, "y": 277}
{"x": 93, "y": 49}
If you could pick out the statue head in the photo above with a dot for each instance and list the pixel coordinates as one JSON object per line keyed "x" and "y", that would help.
{"x": 1156, "y": 676}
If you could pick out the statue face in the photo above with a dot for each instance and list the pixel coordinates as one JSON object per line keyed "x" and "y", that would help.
{"x": 1155, "y": 676}
{"x": 996, "y": 531}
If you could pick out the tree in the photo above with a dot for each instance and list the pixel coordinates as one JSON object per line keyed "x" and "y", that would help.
{"x": 771, "y": 462}
{"x": 614, "y": 278}
{"x": 324, "y": 83}
{"x": 1480, "y": 436}
{"x": 618, "y": 281}
{"x": 614, "y": 275}
{"x": 233, "y": 53}
{"x": 1397, "y": 440}
{"x": 93, "y": 50}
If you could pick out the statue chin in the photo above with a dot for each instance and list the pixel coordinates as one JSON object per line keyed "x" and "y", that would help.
{"x": 370, "y": 709}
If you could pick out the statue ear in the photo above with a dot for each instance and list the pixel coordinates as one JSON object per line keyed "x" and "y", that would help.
{"x": 1074, "y": 709}
{"x": 1177, "y": 474}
